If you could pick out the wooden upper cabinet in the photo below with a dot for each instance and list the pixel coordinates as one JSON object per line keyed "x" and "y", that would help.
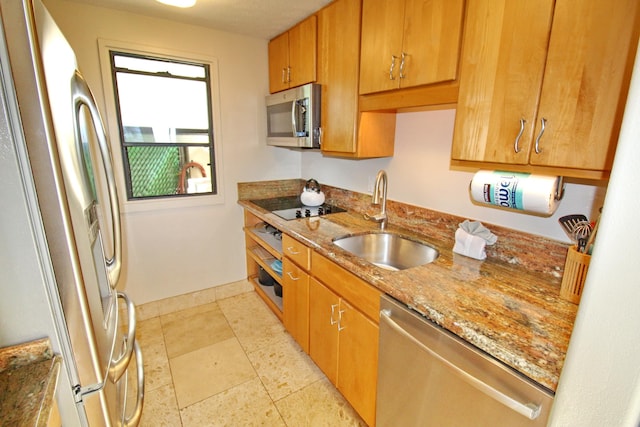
{"x": 586, "y": 81}
{"x": 279, "y": 63}
{"x": 567, "y": 64}
{"x": 292, "y": 56}
{"x": 409, "y": 43}
{"x": 345, "y": 131}
{"x": 502, "y": 65}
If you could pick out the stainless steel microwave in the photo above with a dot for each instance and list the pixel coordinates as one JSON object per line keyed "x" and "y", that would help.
{"x": 293, "y": 117}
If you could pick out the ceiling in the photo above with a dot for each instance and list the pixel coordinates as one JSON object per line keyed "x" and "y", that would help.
{"x": 258, "y": 18}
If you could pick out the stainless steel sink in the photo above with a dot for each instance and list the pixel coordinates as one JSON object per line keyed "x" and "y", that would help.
{"x": 388, "y": 250}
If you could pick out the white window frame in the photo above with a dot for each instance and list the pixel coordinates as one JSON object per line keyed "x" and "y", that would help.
{"x": 142, "y": 205}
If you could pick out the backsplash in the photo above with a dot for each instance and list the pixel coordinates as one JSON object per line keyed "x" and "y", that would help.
{"x": 535, "y": 253}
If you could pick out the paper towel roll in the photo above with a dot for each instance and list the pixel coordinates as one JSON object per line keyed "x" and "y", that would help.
{"x": 512, "y": 190}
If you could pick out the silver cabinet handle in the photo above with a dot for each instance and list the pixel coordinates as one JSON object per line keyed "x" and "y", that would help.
{"x": 393, "y": 65}
{"x": 333, "y": 311}
{"x": 340, "y": 327}
{"x": 402, "y": 63}
{"x": 134, "y": 419}
{"x": 516, "y": 146}
{"x": 288, "y": 74}
{"x": 292, "y": 251}
{"x": 543, "y": 124}
{"x": 529, "y": 410}
{"x": 82, "y": 96}
{"x": 284, "y": 70}
{"x": 119, "y": 366}
{"x": 291, "y": 276}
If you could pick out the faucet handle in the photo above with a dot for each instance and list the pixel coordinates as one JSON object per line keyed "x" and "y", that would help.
{"x": 377, "y": 217}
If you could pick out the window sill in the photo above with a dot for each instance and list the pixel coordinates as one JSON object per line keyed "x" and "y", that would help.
{"x": 137, "y": 206}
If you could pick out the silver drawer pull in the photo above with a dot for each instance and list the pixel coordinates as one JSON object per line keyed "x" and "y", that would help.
{"x": 543, "y": 125}
{"x": 516, "y": 146}
{"x": 333, "y": 311}
{"x": 291, "y": 276}
{"x": 340, "y": 327}
{"x": 292, "y": 250}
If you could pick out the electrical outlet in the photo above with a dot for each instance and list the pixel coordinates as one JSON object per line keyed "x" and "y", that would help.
{"x": 371, "y": 182}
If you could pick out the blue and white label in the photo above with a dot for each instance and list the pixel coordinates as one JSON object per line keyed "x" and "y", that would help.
{"x": 506, "y": 190}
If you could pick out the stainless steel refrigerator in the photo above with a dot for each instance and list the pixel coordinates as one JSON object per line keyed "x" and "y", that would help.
{"x": 70, "y": 165}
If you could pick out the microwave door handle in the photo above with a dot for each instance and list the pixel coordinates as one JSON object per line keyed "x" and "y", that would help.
{"x": 294, "y": 124}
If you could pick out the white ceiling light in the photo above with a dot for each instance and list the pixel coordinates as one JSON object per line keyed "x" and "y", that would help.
{"x": 178, "y": 3}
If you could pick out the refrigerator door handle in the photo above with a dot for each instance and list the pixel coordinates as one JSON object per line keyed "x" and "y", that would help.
{"x": 82, "y": 96}
{"x": 134, "y": 418}
{"x": 119, "y": 366}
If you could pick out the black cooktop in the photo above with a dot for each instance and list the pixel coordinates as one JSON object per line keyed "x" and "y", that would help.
{"x": 291, "y": 207}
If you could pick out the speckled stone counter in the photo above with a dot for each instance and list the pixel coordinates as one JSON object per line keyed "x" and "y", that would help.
{"x": 508, "y": 305}
{"x": 28, "y": 377}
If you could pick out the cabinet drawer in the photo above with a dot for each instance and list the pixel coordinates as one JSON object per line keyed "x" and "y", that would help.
{"x": 296, "y": 252}
{"x": 359, "y": 293}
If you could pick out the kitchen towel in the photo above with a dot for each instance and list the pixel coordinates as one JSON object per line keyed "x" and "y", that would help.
{"x": 471, "y": 239}
{"x": 520, "y": 191}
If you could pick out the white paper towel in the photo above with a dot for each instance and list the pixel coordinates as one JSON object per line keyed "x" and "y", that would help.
{"x": 520, "y": 191}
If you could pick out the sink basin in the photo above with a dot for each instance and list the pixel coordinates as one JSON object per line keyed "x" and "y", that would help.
{"x": 388, "y": 250}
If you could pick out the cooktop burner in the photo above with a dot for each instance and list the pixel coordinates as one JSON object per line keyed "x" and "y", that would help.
{"x": 291, "y": 208}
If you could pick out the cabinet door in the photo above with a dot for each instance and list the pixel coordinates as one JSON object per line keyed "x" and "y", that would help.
{"x": 323, "y": 330}
{"x": 338, "y": 49}
{"x": 279, "y": 63}
{"x": 431, "y": 42}
{"x": 584, "y": 87}
{"x": 303, "y": 52}
{"x": 295, "y": 300}
{"x": 358, "y": 361}
{"x": 504, "y": 52}
{"x": 382, "y": 24}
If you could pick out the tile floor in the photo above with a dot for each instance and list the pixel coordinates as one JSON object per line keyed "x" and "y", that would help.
{"x": 229, "y": 362}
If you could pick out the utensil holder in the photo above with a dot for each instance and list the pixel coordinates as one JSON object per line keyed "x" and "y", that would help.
{"x": 575, "y": 273}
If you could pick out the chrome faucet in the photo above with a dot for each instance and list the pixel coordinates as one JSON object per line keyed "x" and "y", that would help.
{"x": 380, "y": 198}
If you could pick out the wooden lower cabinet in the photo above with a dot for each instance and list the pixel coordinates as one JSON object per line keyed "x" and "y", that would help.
{"x": 295, "y": 297}
{"x": 344, "y": 344}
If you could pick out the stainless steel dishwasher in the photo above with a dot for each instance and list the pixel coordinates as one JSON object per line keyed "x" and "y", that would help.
{"x": 427, "y": 376}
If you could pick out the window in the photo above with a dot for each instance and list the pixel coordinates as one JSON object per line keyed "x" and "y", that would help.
{"x": 164, "y": 114}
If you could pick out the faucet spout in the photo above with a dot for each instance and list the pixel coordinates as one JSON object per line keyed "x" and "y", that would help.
{"x": 380, "y": 198}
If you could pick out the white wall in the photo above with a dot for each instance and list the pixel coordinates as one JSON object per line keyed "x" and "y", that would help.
{"x": 600, "y": 383}
{"x": 174, "y": 251}
{"x": 419, "y": 174}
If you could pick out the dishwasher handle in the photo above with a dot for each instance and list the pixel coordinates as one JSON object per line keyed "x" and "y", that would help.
{"x": 529, "y": 410}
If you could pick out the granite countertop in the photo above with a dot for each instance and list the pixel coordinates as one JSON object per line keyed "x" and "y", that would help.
{"x": 507, "y": 305}
{"x": 28, "y": 378}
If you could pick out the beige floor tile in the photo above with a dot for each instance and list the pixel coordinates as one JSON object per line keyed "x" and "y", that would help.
{"x": 233, "y": 289}
{"x": 284, "y": 368}
{"x": 202, "y": 373}
{"x": 148, "y": 331}
{"x": 147, "y": 311}
{"x": 156, "y": 363}
{"x": 194, "y": 328}
{"x": 160, "y": 408}
{"x": 247, "y": 404}
{"x": 318, "y": 405}
{"x": 252, "y": 321}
